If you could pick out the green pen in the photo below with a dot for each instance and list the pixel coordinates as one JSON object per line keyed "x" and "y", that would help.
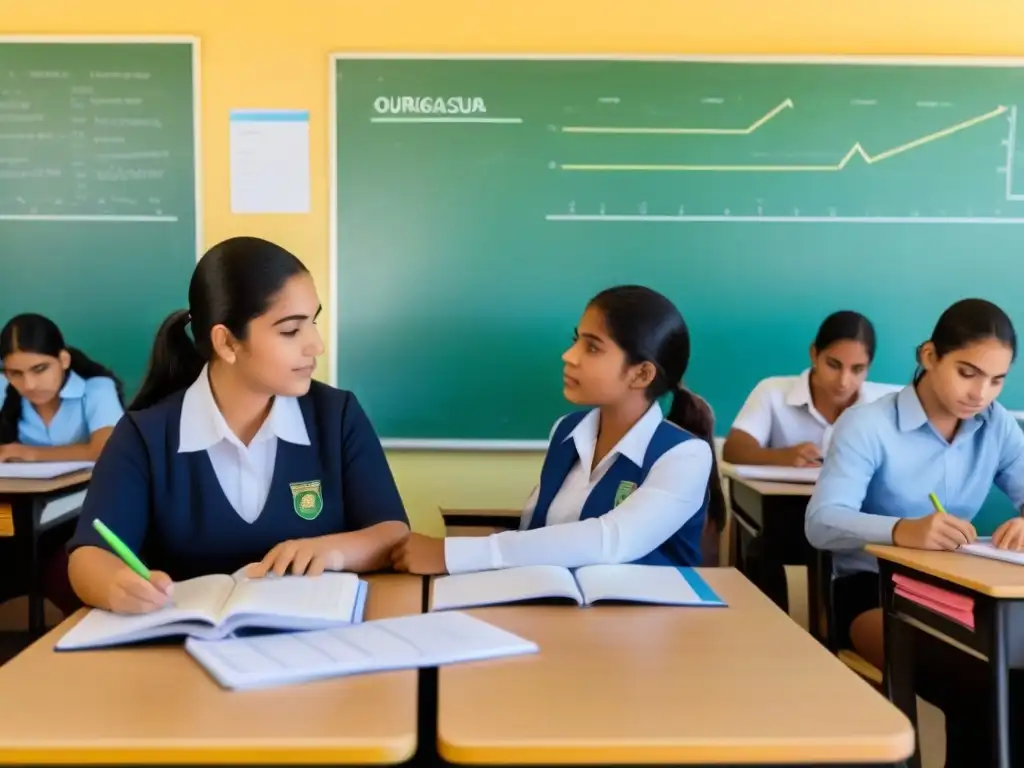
{"x": 121, "y": 549}
{"x": 935, "y": 503}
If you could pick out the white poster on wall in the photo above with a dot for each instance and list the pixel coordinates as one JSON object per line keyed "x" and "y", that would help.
{"x": 269, "y": 161}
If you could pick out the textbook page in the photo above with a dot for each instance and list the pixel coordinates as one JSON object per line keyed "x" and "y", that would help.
{"x": 196, "y": 606}
{"x": 407, "y": 642}
{"x": 506, "y": 585}
{"x": 658, "y": 584}
{"x": 293, "y": 602}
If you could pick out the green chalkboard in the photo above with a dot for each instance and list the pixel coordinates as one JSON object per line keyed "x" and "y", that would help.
{"x": 98, "y": 225}
{"x": 481, "y": 202}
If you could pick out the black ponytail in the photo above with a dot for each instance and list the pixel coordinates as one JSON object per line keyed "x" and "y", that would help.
{"x": 40, "y": 335}
{"x": 693, "y": 413}
{"x": 649, "y": 328}
{"x": 233, "y": 283}
{"x": 174, "y": 362}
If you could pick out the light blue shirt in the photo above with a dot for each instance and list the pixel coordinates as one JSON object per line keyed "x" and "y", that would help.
{"x": 87, "y": 405}
{"x": 884, "y": 460}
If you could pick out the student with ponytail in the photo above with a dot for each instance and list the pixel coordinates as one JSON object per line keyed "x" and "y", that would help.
{"x": 55, "y": 403}
{"x": 621, "y": 482}
{"x": 231, "y": 456}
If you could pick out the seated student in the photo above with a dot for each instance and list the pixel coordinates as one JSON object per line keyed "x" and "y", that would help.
{"x": 620, "y": 483}
{"x": 231, "y": 454}
{"x": 56, "y": 404}
{"x": 943, "y": 434}
{"x": 787, "y": 420}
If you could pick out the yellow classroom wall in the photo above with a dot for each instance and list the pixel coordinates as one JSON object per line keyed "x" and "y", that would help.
{"x": 259, "y": 53}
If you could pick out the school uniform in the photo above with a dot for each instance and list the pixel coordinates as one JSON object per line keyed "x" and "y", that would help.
{"x": 86, "y": 406}
{"x": 780, "y": 412}
{"x": 645, "y": 502}
{"x": 178, "y": 487}
{"x": 885, "y": 460}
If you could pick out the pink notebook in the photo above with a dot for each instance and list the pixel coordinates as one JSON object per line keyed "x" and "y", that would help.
{"x": 953, "y": 606}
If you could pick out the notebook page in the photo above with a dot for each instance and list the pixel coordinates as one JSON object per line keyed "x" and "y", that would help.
{"x": 327, "y": 598}
{"x": 983, "y": 547}
{"x": 663, "y": 585}
{"x": 423, "y": 640}
{"x": 506, "y": 585}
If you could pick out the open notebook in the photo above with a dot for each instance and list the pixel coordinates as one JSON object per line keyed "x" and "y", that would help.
{"x": 406, "y": 642}
{"x": 662, "y": 585}
{"x": 982, "y": 547}
{"x": 214, "y": 607}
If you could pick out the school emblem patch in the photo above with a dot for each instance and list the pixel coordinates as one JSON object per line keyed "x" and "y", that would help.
{"x": 307, "y": 499}
{"x": 623, "y": 492}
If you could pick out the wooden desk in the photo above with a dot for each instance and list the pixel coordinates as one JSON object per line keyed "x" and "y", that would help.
{"x": 6, "y": 520}
{"x": 619, "y": 685}
{"x": 28, "y": 499}
{"x": 998, "y": 636}
{"x": 772, "y": 514}
{"x": 504, "y": 518}
{"x": 150, "y": 705}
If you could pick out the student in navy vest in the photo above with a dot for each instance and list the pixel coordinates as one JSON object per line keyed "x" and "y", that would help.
{"x": 620, "y": 483}
{"x": 231, "y": 455}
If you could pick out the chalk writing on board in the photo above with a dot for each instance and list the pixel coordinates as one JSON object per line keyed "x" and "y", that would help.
{"x": 85, "y": 144}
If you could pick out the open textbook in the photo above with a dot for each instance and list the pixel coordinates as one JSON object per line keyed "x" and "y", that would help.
{"x": 406, "y": 642}
{"x": 983, "y": 547}
{"x": 662, "y": 585}
{"x": 217, "y": 606}
{"x": 40, "y": 470}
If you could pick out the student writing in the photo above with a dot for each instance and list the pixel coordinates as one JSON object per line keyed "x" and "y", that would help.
{"x": 787, "y": 420}
{"x": 231, "y": 454}
{"x": 56, "y": 404}
{"x": 619, "y": 483}
{"x": 943, "y": 434}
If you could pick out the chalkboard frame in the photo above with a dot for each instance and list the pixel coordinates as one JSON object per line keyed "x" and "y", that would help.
{"x": 190, "y": 40}
{"x": 504, "y": 445}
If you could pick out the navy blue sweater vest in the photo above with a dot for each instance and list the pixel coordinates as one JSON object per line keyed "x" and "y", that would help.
{"x": 681, "y": 549}
{"x": 169, "y": 507}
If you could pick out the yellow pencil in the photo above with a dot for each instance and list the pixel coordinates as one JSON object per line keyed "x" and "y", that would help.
{"x": 936, "y": 503}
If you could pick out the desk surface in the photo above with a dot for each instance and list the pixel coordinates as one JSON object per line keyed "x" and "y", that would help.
{"x": 638, "y": 684}
{"x": 445, "y": 512}
{"x": 139, "y": 705}
{"x": 989, "y": 577}
{"x": 16, "y": 487}
{"x": 771, "y": 488}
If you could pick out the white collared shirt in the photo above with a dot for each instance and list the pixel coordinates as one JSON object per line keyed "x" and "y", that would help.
{"x": 244, "y": 472}
{"x": 672, "y": 493}
{"x": 780, "y": 413}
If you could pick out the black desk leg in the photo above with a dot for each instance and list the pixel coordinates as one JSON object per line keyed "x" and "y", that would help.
{"x": 36, "y": 608}
{"x": 899, "y": 675}
{"x": 1000, "y": 671}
